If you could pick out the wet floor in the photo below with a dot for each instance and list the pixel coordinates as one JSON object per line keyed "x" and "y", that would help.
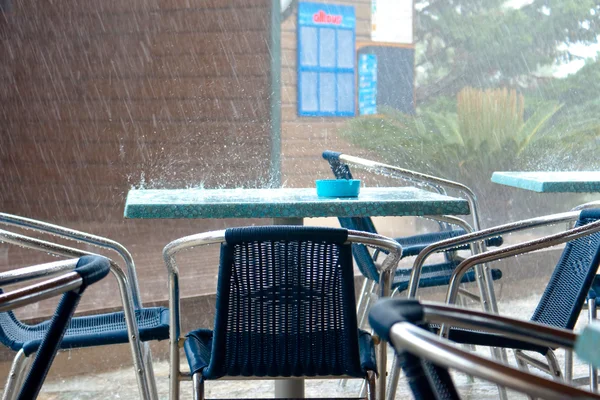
{"x": 120, "y": 383}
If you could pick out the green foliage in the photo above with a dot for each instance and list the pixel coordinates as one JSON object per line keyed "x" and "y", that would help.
{"x": 466, "y": 134}
{"x": 484, "y": 43}
{"x": 489, "y": 131}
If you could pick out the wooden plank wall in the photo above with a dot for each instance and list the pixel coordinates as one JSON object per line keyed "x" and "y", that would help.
{"x": 305, "y": 138}
{"x": 97, "y": 97}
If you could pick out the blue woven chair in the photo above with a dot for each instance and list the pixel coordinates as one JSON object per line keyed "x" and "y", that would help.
{"x": 285, "y": 307}
{"x": 85, "y": 331}
{"x": 87, "y": 271}
{"x": 426, "y": 358}
{"x": 75, "y": 276}
{"x": 438, "y": 274}
{"x": 564, "y": 296}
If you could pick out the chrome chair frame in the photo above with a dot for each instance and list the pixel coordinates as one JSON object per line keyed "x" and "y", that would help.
{"x": 483, "y": 274}
{"x": 570, "y": 217}
{"x": 142, "y": 364}
{"x": 217, "y": 237}
{"x": 52, "y": 286}
{"x": 405, "y": 335}
{"x": 487, "y": 296}
{"x": 21, "y": 361}
{"x": 591, "y": 307}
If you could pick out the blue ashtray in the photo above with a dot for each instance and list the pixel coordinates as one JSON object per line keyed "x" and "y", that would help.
{"x": 338, "y": 187}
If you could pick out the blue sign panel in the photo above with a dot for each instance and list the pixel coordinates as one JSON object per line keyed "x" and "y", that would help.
{"x": 367, "y": 84}
{"x": 326, "y": 54}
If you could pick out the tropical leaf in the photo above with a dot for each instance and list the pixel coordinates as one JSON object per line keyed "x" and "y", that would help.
{"x": 534, "y": 124}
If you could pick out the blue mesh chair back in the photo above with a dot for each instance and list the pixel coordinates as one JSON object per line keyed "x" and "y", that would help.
{"x": 434, "y": 275}
{"x": 567, "y": 289}
{"x": 285, "y": 304}
{"x": 364, "y": 260}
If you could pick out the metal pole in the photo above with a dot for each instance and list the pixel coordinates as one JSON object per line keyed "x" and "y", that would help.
{"x": 275, "y": 96}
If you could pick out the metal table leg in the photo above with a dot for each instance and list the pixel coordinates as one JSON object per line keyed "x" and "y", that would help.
{"x": 289, "y": 388}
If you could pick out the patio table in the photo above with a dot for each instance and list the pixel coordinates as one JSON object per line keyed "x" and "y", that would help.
{"x": 551, "y": 182}
{"x": 288, "y": 206}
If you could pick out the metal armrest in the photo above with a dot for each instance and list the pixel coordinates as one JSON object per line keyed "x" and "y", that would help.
{"x": 448, "y": 219}
{"x": 36, "y": 271}
{"x": 67, "y": 281}
{"x": 41, "y": 245}
{"x": 403, "y": 173}
{"x": 481, "y": 235}
{"x": 72, "y": 234}
{"x": 446, "y": 354}
{"x": 527, "y": 331}
{"x": 396, "y": 320}
{"x": 438, "y": 184}
{"x": 390, "y": 246}
{"x": 521, "y": 248}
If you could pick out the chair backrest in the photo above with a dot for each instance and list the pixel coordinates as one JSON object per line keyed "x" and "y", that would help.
{"x": 426, "y": 358}
{"x": 285, "y": 304}
{"x": 363, "y": 258}
{"x": 572, "y": 278}
{"x": 80, "y": 237}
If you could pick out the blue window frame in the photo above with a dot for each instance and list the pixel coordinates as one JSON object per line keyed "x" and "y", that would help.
{"x": 326, "y": 60}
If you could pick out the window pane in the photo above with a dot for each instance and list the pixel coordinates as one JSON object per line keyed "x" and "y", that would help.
{"x": 345, "y": 39}
{"x": 308, "y": 51}
{"x": 327, "y": 92}
{"x": 345, "y": 92}
{"x": 308, "y": 88}
{"x": 327, "y": 48}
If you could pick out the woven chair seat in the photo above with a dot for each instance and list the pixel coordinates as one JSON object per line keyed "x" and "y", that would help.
{"x": 435, "y": 275}
{"x": 86, "y": 331}
{"x": 413, "y": 245}
{"x": 198, "y": 349}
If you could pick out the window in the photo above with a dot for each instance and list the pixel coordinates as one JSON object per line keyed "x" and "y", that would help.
{"x": 326, "y": 60}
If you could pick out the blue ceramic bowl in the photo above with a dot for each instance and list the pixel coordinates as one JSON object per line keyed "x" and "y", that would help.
{"x": 338, "y": 187}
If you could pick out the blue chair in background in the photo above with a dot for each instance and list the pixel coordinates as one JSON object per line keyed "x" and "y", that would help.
{"x": 564, "y": 296}
{"x": 426, "y": 358}
{"x": 141, "y": 324}
{"x": 431, "y": 275}
{"x": 74, "y": 276}
{"x": 285, "y": 308}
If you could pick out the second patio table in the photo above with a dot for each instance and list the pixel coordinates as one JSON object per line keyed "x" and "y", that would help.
{"x": 551, "y": 182}
{"x": 288, "y": 206}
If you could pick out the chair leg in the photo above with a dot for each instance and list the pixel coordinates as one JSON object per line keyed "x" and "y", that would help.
{"x": 520, "y": 362}
{"x": 16, "y": 375}
{"x": 363, "y": 312}
{"x": 198, "y": 384}
{"x": 360, "y": 305}
{"x": 149, "y": 370}
{"x": 371, "y": 382}
{"x": 393, "y": 379}
{"x": 568, "y": 365}
{"x": 593, "y": 370}
{"x": 553, "y": 365}
{"x": 364, "y": 302}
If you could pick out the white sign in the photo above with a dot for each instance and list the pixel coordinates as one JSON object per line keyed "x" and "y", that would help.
{"x": 392, "y": 21}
